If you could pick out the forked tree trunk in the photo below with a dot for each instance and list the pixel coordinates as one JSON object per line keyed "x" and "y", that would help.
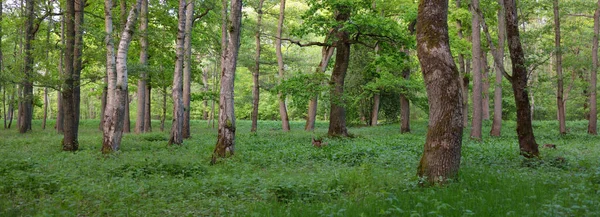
{"x": 141, "y": 93}
{"x": 560, "y": 102}
{"x": 187, "y": 68}
{"x": 117, "y": 85}
{"x": 477, "y": 73}
{"x": 499, "y": 66}
{"x": 177, "y": 91}
{"x": 405, "y": 107}
{"x": 527, "y": 143}
{"x": 26, "y": 102}
{"x": 442, "y": 151}
{"x": 592, "y": 128}
{"x": 226, "y": 133}
{"x": 256, "y": 70}
{"x": 326, "y": 54}
{"x": 285, "y": 123}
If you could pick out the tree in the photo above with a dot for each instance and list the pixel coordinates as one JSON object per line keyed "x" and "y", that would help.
{"x": 187, "y": 68}
{"x": 117, "y": 78}
{"x": 477, "y": 73}
{"x": 592, "y": 128}
{"x": 226, "y": 133}
{"x": 177, "y": 92}
{"x": 441, "y": 156}
{"x": 337, "y": 114}
{"x": 26, "y": 103}
{"x": 498, "y": 55}
{"x": 256, "y": 69}
{"x": 326, "y": 54}
{"x": 560, "y": 101}
{"x": 140, "y": 119}
{"x": 285, "y": 123}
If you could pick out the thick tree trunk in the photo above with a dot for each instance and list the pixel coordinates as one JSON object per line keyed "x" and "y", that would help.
{"x": 285, "y": 123}
{"x": 485, "y": 98}
{"x": 117, "y": 86}
{"x": 78, "y": 63}
{"x": 560, "y": 102}
{"x": 187, "y": 68}
{"x": 405, "y": 107}
{"x": 226, "y": 137}
{"x": 527, "y": 143}
{"x": 499, "y": 66}
{"x": 337, "y": 114}
{"x": 177, "y": 91}
{"x": 442, "y": 151}
{"x": 141, "y": 93}
{"x": 256, "y": 71}
{"x": 26, "y": 102}
{"x": 477, "y": 73}
{"x": 70, "y": 142}
{"x": 326, "y": 54}
{"x": 592, "y": 128}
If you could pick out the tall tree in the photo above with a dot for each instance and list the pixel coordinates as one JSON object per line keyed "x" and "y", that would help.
{"x": 560, "y": 102}
{"x": 441, "y": 156}
{"x": 337, "y": 112}
{"x": 326, "y": 54}
{"x": 499, "y": 66}
{"x": 26, "y": 102}
{"x": 527, "y": 144}
{"x": 117, "y": 79}
{"x": 405, "y": 107}
{"x": 177, "y": 92}
{"x": 376, "y": 96}
{"x": 140, "y": 119}
{"x": 464, "y": 70}
{"x": 226, "y": 132}
{"x": 70, "y": 141}
{"x": 256, "y": 69}
{"x": 592, "y": 128}
{"x": 187, "y": 68}
{"x": 285, "y": 123}
{"x": 477, "y": 72}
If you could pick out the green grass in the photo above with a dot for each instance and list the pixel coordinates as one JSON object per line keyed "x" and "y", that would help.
{"x": 281, "y": 174}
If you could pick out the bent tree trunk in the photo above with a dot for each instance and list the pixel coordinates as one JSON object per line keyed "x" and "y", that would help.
{"x": 226, "y": 132}
{"x": 177, "y": 91}
{"x": 441, "y": 157}
{"x": 592, "y": 128}
{"x": 337, "y": 114}
{"x": 255, "y": 71}
{"x": 527, "y": 144}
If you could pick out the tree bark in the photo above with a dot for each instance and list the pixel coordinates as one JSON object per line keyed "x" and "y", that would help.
{"x": 70, "y": 142}
{"x": 285, "y": 123}
{"x": 256, "y": 71}
{"x": 78, "y": 63}
{"x": 141, "y": 93}
{"x": 560, "y": 102}
{"x": 205, "y": 89}
{"x": 326, "y": 54}
{"x": 405, "y": 107}
{"x": 187, "y": 68}
{"x": 463, "y": 69}
{"x": 177, "y": 91}
{"x": 226, "y": 133}
{"x": 499, "y": 66}
{"x": 148, "y": 113}
{"x": 477, "y": 73}
{"x": 164, "y": 110}
{"x": 337, "y": 114}
{"x": 527, "y": 144}
{"x": 442, "y": 151}
{"x": 592, "y": 127}
{"x": 485, "y": 98}
{"x": 26, "y": 102}
{"x": 117, "y": 86}
{"x": 103, "y": 102}
{"x": 376, "y": 99}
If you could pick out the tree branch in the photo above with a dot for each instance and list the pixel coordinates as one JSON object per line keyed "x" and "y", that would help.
{"x": 580, "y": 15}
{"x": 307, "y": 44}
{"x": 200, "y": 16}
{"x": 495, "y": 51}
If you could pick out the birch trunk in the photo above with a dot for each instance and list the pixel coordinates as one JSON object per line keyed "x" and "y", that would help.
{"x": 187, "y": 68}
{"x": 177, "y": 91}
{"x": 285, "y": 123}
{"x": 141, "y": 93}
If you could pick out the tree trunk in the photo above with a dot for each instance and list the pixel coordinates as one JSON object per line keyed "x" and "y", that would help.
{"x": 70, "y": 142}
{"x": 376, "y": 99}
{"x": 127, "y": 118}
{"x": 205, "y": 90}
{"x": 465, "y": 92}
{"x": 256, "y": 71}
{"x": 485, "y": 99}
{"x": 78, "y": 63}
{"x": 45, "y": 108}
{"x": 499, "y": 65}
{"x": 187, "y": 68}
{"x": 177, "y": 91}
{"x": 592, "y": 128}
{"x": 477, "y": 77}
{"x": 141, "y": 93}
{"x": 560, "y": 102}
{"x": 164, "y": 110}
{"x": 442, "y": 151}
{"x": 326, "y": 54}
{"x": 527, "y": 143}
{"x": 26, "y": 102}
{"x": 11, "y": 108}
{"x": 226, "y": 136}
{"x": 285, "y": 123}
{"x": 337, "y": 114}
{"x": 148, "y": 113}
{"x": 103, "y": 102}
{"x": 117, "y": 86}
{"x": 405, "y": 107}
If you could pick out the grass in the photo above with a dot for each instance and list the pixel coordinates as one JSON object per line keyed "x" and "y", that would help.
{"x": 281, "y": 174}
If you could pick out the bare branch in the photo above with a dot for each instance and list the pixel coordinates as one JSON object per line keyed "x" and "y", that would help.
{"x": 580, "y": 15}
{"x": 200, "y": 16}
{"x": 307, "y": 44}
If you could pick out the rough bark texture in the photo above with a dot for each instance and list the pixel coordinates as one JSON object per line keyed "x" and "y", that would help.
{"x": 26, "y": 102}
{"x": 592, "y": 128}
{"x": 337, "y": 114}
{"x": 177, "y": 91}
{"x": 127, "y": 118}
{"x": 70, "y": 142}
{"x": 226, "y": 133}
{"x": 499, "y": 66}
{"x": 285, "y": 123}
{"x": 256, "y": 70}
{"x": 187, "y": 68}
{"x": 485, "y": 87}
{"x": 147, "y": 113}
{"x": 326, "y": 54}
{"x": 477, "y": 73}
{"x": 78, "y": 62}
{"x": 141, "y": 93}
{"x": 560, "y": 102}
{"x": 205, "y": 89}
{"x": 463, "y": 69}
{"x": 405, "y": 107}
{"x": 441, "y": 156}
{"x": 527, "y": 143}
{"x": 117, "y": 85}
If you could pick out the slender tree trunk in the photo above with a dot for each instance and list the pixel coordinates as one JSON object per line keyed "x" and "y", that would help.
{"x": 187, "y": 68}
{"x": 226, "y": 136}
{"x": 527, "y": 143}
{"x": 103, "y": 102}
{"x": 256, "y": 71}
{"x": 477, "y": 77}
{"x": 177, "y": 92}
{"x": 499, "y": 65}
{"x": 164, "y": 110}
{"x": 376, "y": 99}
{"x": 141, "y": 93}
{"x": 26, "y": 102}
{"x": 485, "y": 86}
{"x": 442, "y": 151}
{"x": 465, "y": 95}
{"x": 127, "y": 118}
{"x": 148, "y": 102}
{"x": 11, "y": 108}
{"x": 205, "y": 89}
{"x": 326, "y": 54}
{"x": 592, "y": 128}
{"x": 337, "y": 114}
{"x": 285, "y": 123}
{"x": 560, "y": 102}
{"x": 117, "y": 98}
{"x": 405, "y": 107}
{"x": 78, "y": 63}
{"x": 45, "y": 108}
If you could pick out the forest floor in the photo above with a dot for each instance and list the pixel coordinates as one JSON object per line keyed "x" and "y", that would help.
{"x": 281, "y": 174}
